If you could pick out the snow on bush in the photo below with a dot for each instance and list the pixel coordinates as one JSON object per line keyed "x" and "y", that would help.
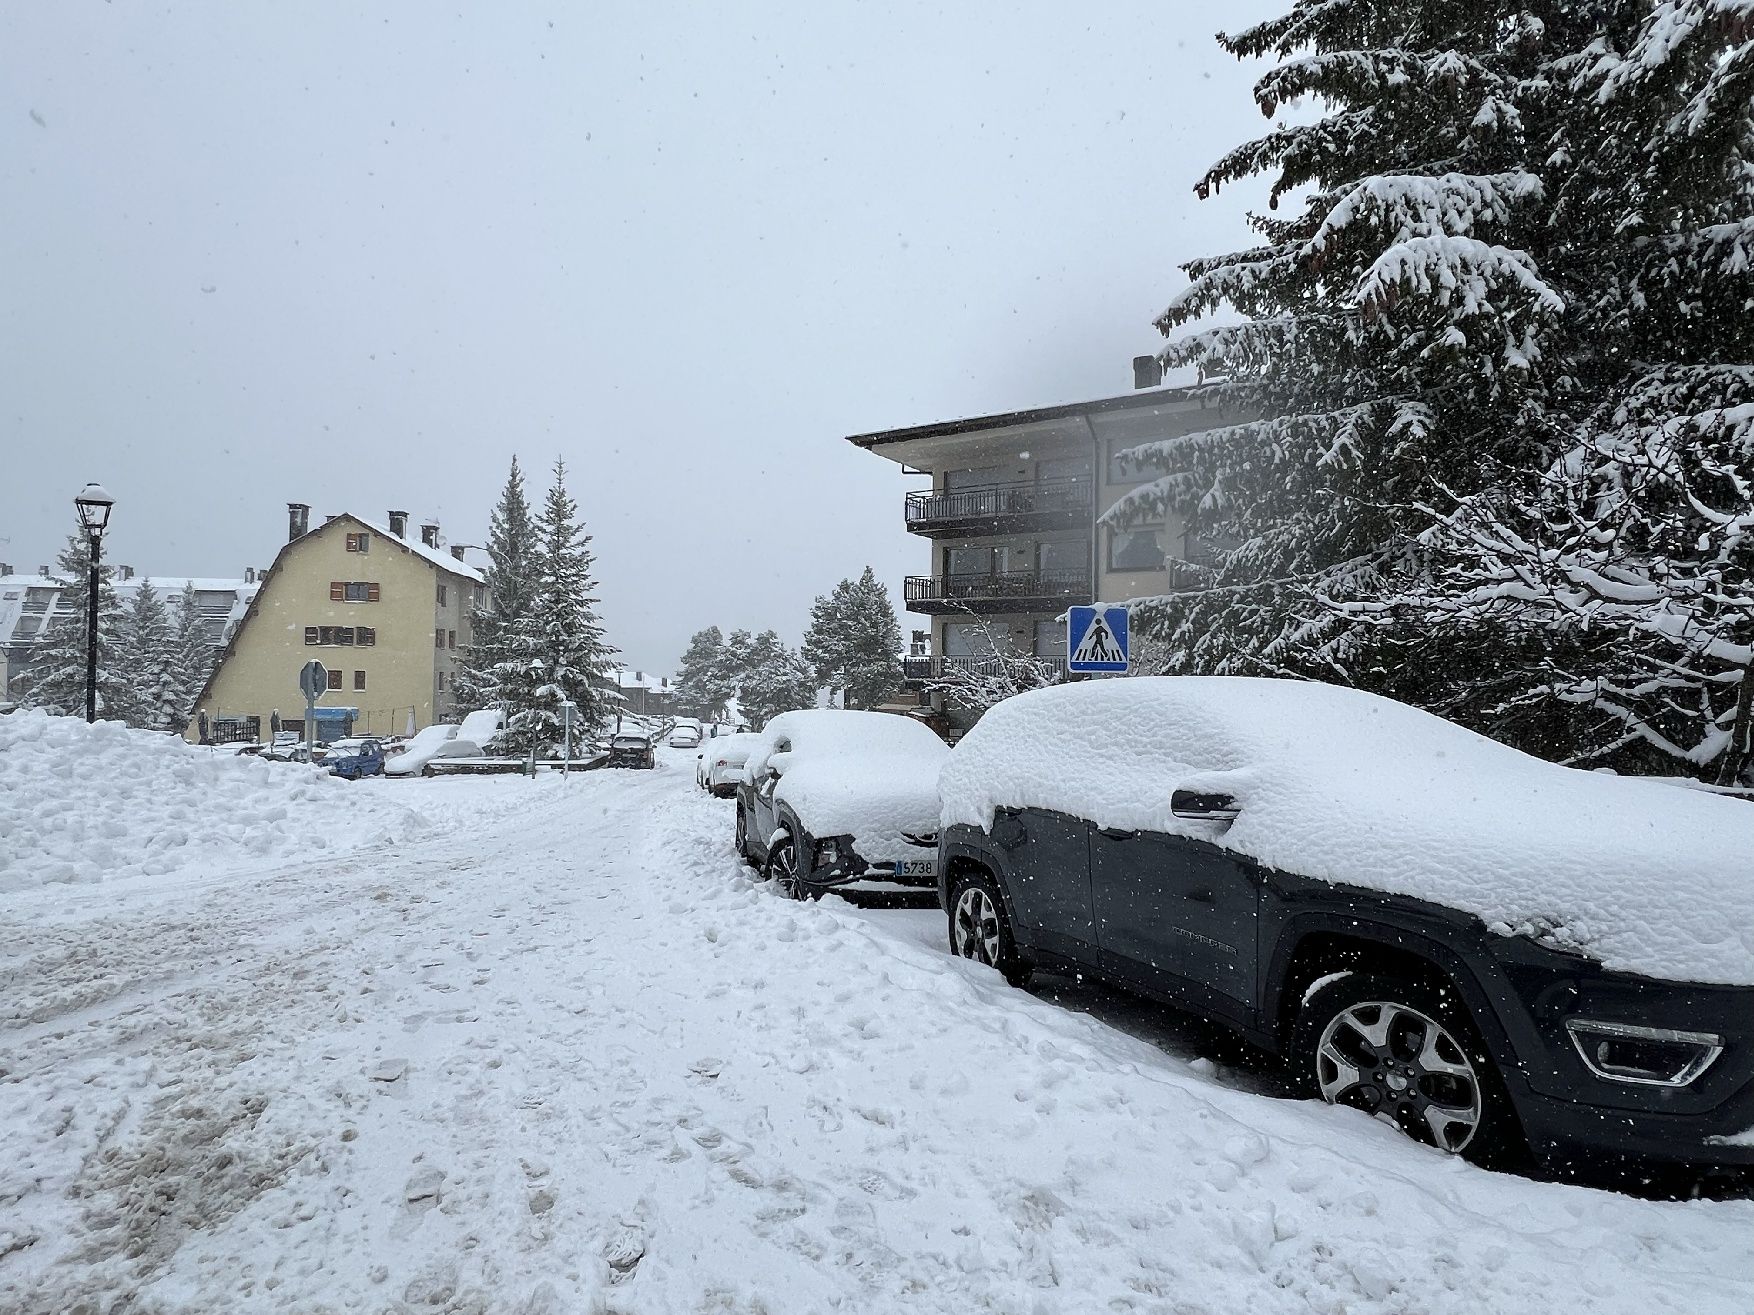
{"x": 1344, "y": 786}
{"x": 85, "y": 802}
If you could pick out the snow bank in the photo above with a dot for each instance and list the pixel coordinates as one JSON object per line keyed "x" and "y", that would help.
{"x": 1351, "y": 788}
{"x": 89, "y": 803}
{"x": 869, "y": 775}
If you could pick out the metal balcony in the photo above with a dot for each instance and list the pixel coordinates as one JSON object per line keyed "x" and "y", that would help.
{"x": 1026, "y": 506}
{"x": 1004, "y": 591}
{"x": 918, "y": 670}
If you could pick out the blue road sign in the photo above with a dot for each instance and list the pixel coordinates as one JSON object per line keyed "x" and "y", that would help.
{"x": 1097, "y": 639}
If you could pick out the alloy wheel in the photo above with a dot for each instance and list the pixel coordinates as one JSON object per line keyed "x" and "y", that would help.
{"x": 783, "y": 868}
{"x": 977, "y": 927}
{"x": 1405, "y": 1068}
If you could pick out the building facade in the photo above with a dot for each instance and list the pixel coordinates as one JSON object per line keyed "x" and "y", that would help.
{"x": 29, "y": 604}
{"x": 1012, "y": 519}
{"x": 388, "y": 616}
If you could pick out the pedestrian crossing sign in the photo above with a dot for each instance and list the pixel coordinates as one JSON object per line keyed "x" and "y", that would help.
{"x": 1097, "y": 640}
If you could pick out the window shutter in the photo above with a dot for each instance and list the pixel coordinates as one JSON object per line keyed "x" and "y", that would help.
{"x": 368, "y": 635}
{"x": 310, "y": 634}
{"x": 359, "y": 680}
{"x": 438, "y": 639}
{"x": 337, "y": 591}
{"x": 371, "y": 592}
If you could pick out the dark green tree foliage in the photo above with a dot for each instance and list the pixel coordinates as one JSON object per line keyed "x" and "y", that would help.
{"x": 557, "y": 651}
{"x": 511, "y": 580}
{"x": 149, "y": 649}
{"x": 701, "y": 687}
{"x": 854, "y": 641}
{"x": 195, "y": 656}
{"x": 1515, "y": 222}
{"x": 775, "y": 679}
{"x": 56, "y": 679}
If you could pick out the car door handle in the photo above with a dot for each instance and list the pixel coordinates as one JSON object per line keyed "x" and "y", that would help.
{"x": 1113, "y": 834}
{"x": 1204, "y": 896}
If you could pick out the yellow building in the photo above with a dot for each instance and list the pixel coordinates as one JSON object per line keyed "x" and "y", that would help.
{"x": 388, "y": 617}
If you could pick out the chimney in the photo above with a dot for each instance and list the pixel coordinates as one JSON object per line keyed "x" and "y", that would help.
{"x": 249, "y": 575}
{"x": 5, "y": 568}
{"x": 399, "y": 524}
{"x": 331, "y": 517}
{"x": 1147, "y": 372}
{"x": 457, "y": 551}
{"x": 126, "y": 572}
{"x": 298, "y": 520}
{"x": 429, "y": 535}
{"x": 43, "y": 571}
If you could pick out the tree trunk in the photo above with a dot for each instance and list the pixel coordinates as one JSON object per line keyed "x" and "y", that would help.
{"x": 1741, "y": 747}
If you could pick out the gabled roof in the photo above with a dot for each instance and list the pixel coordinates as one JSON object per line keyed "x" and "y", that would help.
{"x": 1007, "y": 419}
{"x": 439, "y": 557}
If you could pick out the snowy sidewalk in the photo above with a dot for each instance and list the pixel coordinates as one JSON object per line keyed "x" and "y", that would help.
{"x": 569, "y": 1059}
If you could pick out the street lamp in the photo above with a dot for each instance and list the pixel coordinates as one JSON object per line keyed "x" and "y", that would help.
{"x": 94, "y": 503}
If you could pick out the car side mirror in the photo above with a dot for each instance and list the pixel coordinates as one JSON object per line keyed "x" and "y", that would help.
{"x": 1196, "y": 806}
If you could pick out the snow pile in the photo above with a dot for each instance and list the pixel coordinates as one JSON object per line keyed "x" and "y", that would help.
{"x": 83, "y": 803}
{"x": 869, "y": 775}
{"x": 1347, "y": 787}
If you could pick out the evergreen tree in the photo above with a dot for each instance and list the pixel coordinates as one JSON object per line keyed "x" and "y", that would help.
{"x": 558, "y": 652}
{"x": 775, "y": 679}
{"x": 700, "y": 689}
{"x": 854, "y": 641}
{"x": 149, "y": 649}
{"x": 56, "y": 679}
{"x": 1523, "y": 233}
{"x": 511, "y": 580}
{"x": 195, "y": 657}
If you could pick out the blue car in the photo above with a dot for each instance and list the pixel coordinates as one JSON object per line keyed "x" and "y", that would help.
{"x": 354, "y": 761}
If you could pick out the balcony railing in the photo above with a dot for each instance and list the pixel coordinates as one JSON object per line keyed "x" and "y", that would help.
{"x": 985, "y": 586}
{"x": 998, "y": 502}
{"x": 932, "y": 668}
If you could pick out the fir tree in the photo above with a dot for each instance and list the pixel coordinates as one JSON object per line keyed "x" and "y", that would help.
{"x": 56, "y": 679}
{"x": 512, "y": 584}
{"x": 701, "y": 691}
{"x": 557, "y": 650}
{"x": 854, "y": 642}
{"x": 149, "y": 650}
{"x": 775, "y": 679}
{"x": 195, "y": 657}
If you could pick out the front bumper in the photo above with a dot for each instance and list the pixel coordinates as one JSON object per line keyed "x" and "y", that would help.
{"x": 838, "y": 863}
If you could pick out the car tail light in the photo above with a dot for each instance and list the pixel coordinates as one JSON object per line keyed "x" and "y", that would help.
{"x": 1646, "y": 1056}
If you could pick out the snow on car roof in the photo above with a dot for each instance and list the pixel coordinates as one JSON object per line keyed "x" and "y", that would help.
{"x": 1347, "y": 787}
{"x": 834, "y": 730}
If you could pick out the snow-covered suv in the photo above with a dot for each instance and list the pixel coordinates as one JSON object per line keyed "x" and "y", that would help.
{"x": 1478, "y": 947}
{"x": 829, "y": 798}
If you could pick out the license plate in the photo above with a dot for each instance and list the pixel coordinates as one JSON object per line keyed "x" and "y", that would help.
{"x": 916, "y": 867}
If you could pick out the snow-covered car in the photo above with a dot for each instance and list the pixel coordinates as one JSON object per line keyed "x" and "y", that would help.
{"x": 685, "y": 737}
{"x": 830, "y": 797}
{"x": 720, "y": 764}
{"x": 351, "y": 761}
{"x": 1483, "y": 949}
{"x": 416, "y": 753}
{"x": 631, "y": 751}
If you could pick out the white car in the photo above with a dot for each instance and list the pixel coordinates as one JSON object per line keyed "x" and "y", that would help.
{"x": 719, "y": 766}
{"x": 685, "y": 737}
{"x": 831, "y": 797}
{"x": 419, "y": 751}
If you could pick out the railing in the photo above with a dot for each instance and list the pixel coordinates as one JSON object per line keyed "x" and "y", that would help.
{"x": 996, "y": 501}
{"x": 1066, "y": 582}
{"x": 931, "y": 668}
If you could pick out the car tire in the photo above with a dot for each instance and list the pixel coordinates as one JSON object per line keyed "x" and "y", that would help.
{"x": 743, "y": 838}
{"x": 1433, "y": 1079}
{"x": 782, "y": 870}
{"x": 980, "y": 929}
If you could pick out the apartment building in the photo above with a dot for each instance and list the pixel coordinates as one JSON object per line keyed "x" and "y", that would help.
{"x": 1012, "y": 521}
{"x": 387, "y": 615}
{"x": 30, "y": 604}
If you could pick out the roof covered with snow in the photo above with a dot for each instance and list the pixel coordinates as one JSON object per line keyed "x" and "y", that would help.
{"x": 1347, "y": 787}
{"x": 439, "y": 557}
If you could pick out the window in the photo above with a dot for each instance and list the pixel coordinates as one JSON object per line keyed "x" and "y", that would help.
{"x": 335, "y": 678}
{"x": 1063, "y": 468}
{"x": 1066, "y": 559}
{"x": 330, "y": 636}
{"x": 313, "y": 634}
{"x": 359, "y": 680}
{"x": 1050, "y": 639}
{"x": 359, "y": 543}
{"x": 441, "y": 676}
{"x": 450, "y": 639}
{"x": 442, "y": 594}
{"x": 365, "y": 635}
{"x": 438, "y": 639}
{"x": 973, "y": 639}
{"x": 353, "y": 591}
{"x": 1136, "y": 548}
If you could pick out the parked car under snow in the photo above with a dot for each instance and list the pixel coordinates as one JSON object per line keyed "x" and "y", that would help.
{"x": 1480, "y": 948}
{"x": 719, "y": 766}
{"x": 830, "y": 797}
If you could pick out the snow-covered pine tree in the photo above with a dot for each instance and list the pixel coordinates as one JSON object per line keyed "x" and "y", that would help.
{"x": 699, "y": 691}
{"x": 559, "y": 652}
{"x": 56, "y": 679}
{"x": 854, "y": 641}
{"x": 195, "y": 657}
{"x": 149, "y": 650}
{"x": 776, "y": 679}
{"x": 1620, "y": 571}
{"x": 1395, "y": 342}
{"x": 511, "y": 580}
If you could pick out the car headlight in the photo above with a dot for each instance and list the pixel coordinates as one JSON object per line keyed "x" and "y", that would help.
{"x": 1647, "y": 1056}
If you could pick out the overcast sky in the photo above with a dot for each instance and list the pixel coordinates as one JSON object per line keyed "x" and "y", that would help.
{"x": 359, "y": 255}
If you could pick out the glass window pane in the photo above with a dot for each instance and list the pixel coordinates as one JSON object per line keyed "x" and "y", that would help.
{"x": 1138, "y": 548}
{"x": 970, "y": 561}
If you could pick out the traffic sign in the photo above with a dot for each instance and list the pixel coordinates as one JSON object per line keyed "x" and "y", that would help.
{"x": 1098, "y": 639}
{"x": 313, "y": 681}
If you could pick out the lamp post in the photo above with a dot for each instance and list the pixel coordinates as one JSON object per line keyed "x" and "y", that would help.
{"x": 94, "y": 503}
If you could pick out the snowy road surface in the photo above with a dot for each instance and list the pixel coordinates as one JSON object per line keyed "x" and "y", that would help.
{"x": 562, "y": 1056}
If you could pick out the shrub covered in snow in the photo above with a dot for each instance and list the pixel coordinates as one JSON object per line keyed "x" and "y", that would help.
{"x": 88, "y": 803}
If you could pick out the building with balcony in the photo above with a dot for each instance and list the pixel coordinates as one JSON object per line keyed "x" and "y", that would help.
{"x": 1012, "y": 521}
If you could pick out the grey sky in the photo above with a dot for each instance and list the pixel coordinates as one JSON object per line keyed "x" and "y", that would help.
{"x": 358, "y": 255}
